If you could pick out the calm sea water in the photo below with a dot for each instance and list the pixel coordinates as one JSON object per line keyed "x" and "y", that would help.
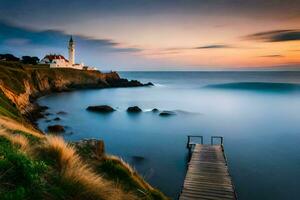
{"x": 260, "y": 122}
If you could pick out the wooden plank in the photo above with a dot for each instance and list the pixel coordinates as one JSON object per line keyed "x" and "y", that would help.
{"x": 207, "y": 176}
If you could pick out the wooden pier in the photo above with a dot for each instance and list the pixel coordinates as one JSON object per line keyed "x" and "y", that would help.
{"x": 207, "y": 175}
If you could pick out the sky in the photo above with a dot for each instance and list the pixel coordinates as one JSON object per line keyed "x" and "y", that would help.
{"x": 157, "y": 34}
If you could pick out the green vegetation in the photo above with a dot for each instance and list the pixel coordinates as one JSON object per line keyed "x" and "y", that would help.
{"x": 8, "y": 109}
{"x": 12, "y": 74}
{"x": 33, "y": 140}
{"x": 20, "y": 176}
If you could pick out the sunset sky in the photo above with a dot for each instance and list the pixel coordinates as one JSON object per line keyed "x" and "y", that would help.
{"x": 156, "y": 34}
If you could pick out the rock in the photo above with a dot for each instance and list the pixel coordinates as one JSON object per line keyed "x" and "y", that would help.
{"x": 138, "y": 158}
{"x": 43, "y": 108}
{"x": 155, "y": 110}
{"x": 92, "y": 148}
{"x": 149, "y": 84}
{"x": 100, "y": 148}
{"x": 134, "y": 109}
{"x": 122, "y": 82}
{"x": 56, "y": 119}
{"x": 47, "y": 114}
{"x": 101, "y": 109}
{"x": 61, "y": 113}
{"x": 167, "y": 113}
{"x": 56, "y": 129}
{"x": 36, "y": 113}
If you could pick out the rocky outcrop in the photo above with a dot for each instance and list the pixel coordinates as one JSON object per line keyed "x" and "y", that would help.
{"x": 91, "y": 148}
{"x": 56, "y": 129}
{"x": 167, "y": 113}
{"x": 101, "y": 109}
{"x": 134, "y": 109}
{"x": 155, "y": 110}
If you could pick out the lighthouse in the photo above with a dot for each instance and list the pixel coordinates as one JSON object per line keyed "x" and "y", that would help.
{"x": 71, "y": 48}
{"x": 59, "y": 61}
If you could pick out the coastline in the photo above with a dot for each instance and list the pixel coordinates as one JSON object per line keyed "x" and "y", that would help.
{"x": 34, "y": 82}
{"x": 34, "y": 111}
{"x": 83, "y": 166}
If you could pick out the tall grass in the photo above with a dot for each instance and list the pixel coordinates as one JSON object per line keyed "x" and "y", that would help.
{"x": 131, "y": 170}
{"x": 18, "y": 140}
{"x": 73, "y": 170}
{"x": 68, "y": 176}
{"x": 10, "y": 124}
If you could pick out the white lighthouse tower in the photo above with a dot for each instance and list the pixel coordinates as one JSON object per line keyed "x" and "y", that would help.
{"x": 71, "y": 48}
{"x": 59, "y": 61}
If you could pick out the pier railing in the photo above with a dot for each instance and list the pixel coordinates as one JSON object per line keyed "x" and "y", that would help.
{"x": 190, "y": 143}
{"x": 216, "y": 137}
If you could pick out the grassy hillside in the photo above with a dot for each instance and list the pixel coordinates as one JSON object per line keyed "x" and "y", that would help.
{"x": 38, "y": 166}
{"x": 8, "y": 109}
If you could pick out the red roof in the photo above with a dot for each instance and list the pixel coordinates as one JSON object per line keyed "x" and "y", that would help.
{"x": 55, "y": 57}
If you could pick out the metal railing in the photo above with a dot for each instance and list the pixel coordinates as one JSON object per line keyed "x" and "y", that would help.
{"x": 189, "y": 143}
{"x": 216, "y": 137}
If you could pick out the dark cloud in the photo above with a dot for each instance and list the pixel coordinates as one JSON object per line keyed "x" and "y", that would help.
{"x": 275, "y": 36}
{"x": 214, "y": 46}
{"x": 44, "y": 8}
{"x": 17, "y": 36}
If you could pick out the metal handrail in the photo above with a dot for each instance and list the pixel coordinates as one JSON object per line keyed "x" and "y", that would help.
{"x": 188, "y": 145}
{"x": 216, "y": 137}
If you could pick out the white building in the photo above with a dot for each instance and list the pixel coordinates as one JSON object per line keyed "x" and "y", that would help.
{"x": 59, "y": 61}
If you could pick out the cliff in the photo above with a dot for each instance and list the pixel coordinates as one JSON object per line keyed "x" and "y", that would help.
{"x": 24, "y": 83}
{"x": 38, "y": 166}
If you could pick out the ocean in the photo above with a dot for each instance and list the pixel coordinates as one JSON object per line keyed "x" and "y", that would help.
{"x": 257, "y": 113}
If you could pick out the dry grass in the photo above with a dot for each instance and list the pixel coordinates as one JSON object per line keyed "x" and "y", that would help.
{"x": 17, "y": 126}
{"x": 132, "y": 171}
{"x": 18, "y": 140}
{"x": 121, "y": 161}
{"x": 73, "y": 169}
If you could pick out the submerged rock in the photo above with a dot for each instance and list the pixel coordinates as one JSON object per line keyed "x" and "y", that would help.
{"x": 56, "y": 119}
{"x": 167, "y": 113}
{"x": 101, "y": 109}
{"x": 47, "y": 114}
{"x": 56, "y": 129}
{"x": 138, "y": 158}
{"x": 134, "y": 109}
{"x": 61, "y": 113}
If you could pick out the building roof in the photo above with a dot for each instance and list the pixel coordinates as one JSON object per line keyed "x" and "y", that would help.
{"x": 52, "y": 57}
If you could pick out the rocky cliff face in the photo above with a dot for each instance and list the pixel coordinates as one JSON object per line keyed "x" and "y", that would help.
{"x": 28, "y": 84}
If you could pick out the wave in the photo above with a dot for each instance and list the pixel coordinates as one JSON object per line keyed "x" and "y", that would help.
{"x": 257, "y": 86}
{"x": 159, "y": 85}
